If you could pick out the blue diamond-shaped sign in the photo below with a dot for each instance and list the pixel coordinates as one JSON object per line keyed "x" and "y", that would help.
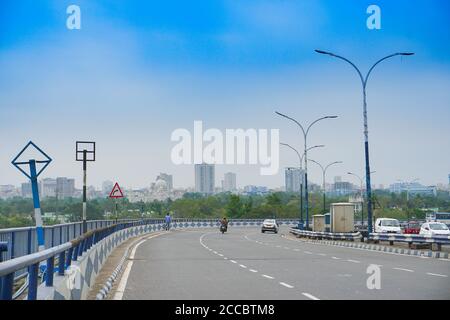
{"x": 17, "y": 163}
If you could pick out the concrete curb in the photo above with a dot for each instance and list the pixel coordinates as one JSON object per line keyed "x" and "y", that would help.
{"x": 109, "y": 283}
{"x": 380, "y": 248}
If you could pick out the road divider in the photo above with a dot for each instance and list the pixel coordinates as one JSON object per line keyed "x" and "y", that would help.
{"x": 354, "y": 236}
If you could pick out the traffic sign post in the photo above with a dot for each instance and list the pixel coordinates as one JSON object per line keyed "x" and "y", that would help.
{"x": 115, "y": 194}
{"x": 33, "y": 174}
{"x": 85, "y": 152}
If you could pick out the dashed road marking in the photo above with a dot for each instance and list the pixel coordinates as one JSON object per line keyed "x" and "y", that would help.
{"x": 436, "y": 274}
{"x": 233, "y": 261}
{"x": 335, "y": 258}
{"x": 321, "y": 254}
{"x": 220, "y": 255}
{"x": 286, "y": 285}
{"x": 403, "y": 269}
{"x": 268, "y": 277}
{"x": 307, "y": 252}
{"x": 310, "y": 296}
{"x": 253, "y": 270}
{"x": 354, "y": 261}
{"x": 242, "y": 266}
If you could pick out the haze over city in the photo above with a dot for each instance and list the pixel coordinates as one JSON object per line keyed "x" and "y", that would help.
{"x": 132, "y": 75}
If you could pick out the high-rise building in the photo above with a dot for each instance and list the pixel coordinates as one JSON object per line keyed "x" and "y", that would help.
{"x": 48, "y": 187}
{"x": 168, "y": 179}
{"x": 293, "y": 177}
{"x": 229, "y": 182}
{"x": 65, "y": 188}
{"x": 204, "y": 178}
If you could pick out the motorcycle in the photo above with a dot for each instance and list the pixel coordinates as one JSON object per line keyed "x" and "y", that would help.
{"x": 223, "y": 228}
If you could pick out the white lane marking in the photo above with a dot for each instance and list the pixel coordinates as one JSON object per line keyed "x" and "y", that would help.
{"x": 124, "y": 279}
{"x": 335, "y": 258}
{"x": 242, "y": 266}
{"x": 296, "y": 249}
{"x": 268, "y": 277}
{"x": 225, "y": 258}
{"x": 321, "y": 254}
{"x": 253, "y": 270}
{"x": 220, "y": 255}
{"x": 354, "y": 261}
{"x": 233, "y": 261}
{"x": 310, "y": 296}
{"x": 287, "y": 248}
{"x": 215, "y": 252}
{"x": 278, "y": 246}
{"x": 286, "y": 285}
{"x": 307, "y": 252}
{"x": 403, "y": 269}
{"x": 436, "y": 274}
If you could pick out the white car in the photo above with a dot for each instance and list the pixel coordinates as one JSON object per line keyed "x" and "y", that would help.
{"x": 387, "y": 225}
{"x": 269, "y": 225}
{"x": 434, "y": 229}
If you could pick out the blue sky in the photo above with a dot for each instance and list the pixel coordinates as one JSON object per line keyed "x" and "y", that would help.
{"x": 137, "y": 70}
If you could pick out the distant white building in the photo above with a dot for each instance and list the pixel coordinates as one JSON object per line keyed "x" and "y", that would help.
{"x": 293, "y": 177}
{"x": 65, "y": 187}
{"x": 255, "y": 190}
{"x": 8, "y": 191}
{"x": 413, "y": 188}
{"x": 204, "y": 178}
{"x": 229, "y": 182}
{"x": 167, "y": 178}
{"x": 48, "y": 187}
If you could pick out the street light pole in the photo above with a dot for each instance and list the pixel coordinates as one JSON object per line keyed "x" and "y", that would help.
{"x": 300, "y": 158}
{"x": 366, "y": 130}
{"x": 324, "y": 171}
{"x": 305, "y": 135}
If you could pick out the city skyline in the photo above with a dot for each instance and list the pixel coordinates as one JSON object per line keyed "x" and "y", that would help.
{"x": 239, "y": 72}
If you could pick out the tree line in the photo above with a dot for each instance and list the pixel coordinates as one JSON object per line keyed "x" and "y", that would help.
{"x": 18, "y": 212}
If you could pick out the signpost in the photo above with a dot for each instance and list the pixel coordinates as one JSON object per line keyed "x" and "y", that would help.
{"x": 33, "y": 174}
{"x": 115, "y": 194}
{"x": 85, "y": 151}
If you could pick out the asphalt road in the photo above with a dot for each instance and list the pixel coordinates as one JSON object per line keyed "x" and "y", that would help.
{"x": 246, "y": 264}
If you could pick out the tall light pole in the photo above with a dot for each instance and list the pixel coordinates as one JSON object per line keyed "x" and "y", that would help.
{"x": 300, "y": 158}
{"x": 366, "y": 130}
{"x": 305, "y": 135}
{"x": 324, "y": 171}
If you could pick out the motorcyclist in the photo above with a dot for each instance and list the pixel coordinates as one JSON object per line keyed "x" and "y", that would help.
{"x": 224, "y": 223}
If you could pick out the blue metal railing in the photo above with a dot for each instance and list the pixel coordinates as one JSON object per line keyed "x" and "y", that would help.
{"x": 64, "y": 254}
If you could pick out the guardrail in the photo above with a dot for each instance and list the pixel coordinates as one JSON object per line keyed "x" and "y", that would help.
{"x": 410, "y": 239}
{"x": 3, "y": 248}
{"x": 23, "y": 241}
{"x": 64, "y": 254}
{"x": 354, "y": 236}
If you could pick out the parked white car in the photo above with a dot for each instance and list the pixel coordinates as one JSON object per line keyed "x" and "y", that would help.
{"x": 434, "y": 229}
{"x": 387, "y": 225}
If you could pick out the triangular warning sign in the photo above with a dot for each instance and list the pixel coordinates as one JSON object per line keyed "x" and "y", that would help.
{"x": 116, "y": 192}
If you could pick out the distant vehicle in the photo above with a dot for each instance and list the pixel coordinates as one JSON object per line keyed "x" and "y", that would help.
{"x": 443, "y": 217}
{"x": 412, "y": 227}
{"x": 387, "y": 225}
{"x": 269, "y": 225}
{"x": 434, "y": 229}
